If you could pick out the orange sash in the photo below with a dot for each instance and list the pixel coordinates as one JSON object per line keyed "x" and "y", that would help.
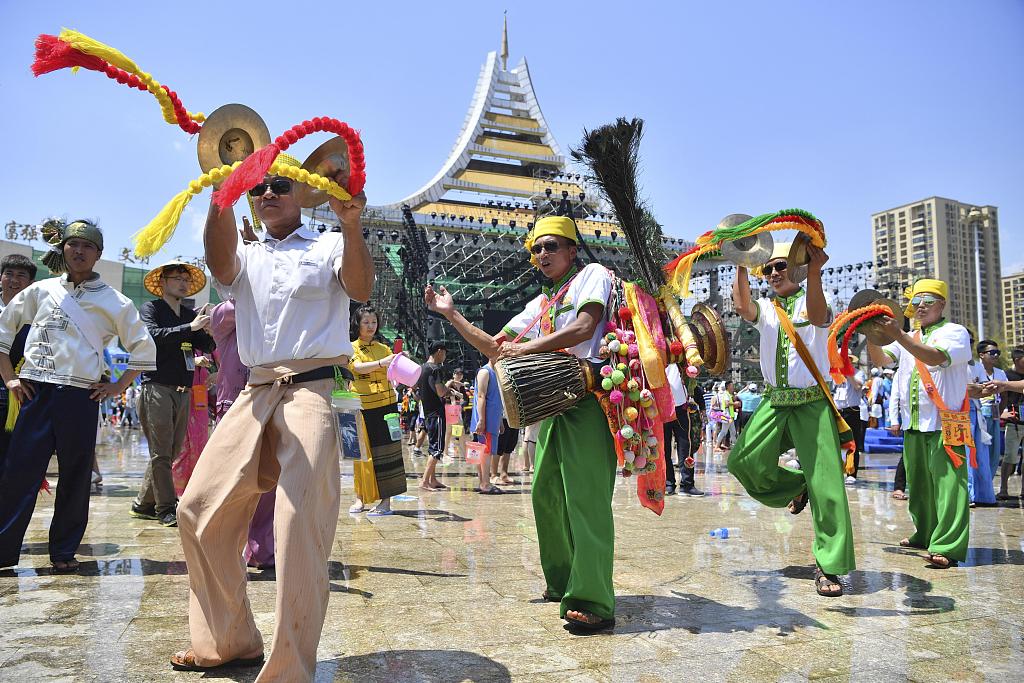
{"x": 956, "y": 424}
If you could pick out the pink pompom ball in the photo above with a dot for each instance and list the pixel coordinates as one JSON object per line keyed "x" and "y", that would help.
{"x": 692, "y": 371}
{"x": 634, "y": 350}
{"x": 640, "y": 462}
{"x": 610, "y": 326}
{"x": 606, "y": 371}
{"x": 615, "y": 397}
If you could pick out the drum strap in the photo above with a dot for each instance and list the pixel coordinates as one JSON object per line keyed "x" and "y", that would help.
{"x": 547, "y": 307}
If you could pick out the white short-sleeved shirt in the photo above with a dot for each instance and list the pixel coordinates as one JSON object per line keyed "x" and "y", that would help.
{"x": 980, "y": 376}
{"x": 916, "y": 410}
{"x": 289, "y": 302}
{"x": 849, "y": 396}
{"x": 781, "y": 365}
{"x": 592, "y": 284}
{"x": 675, "y": 382}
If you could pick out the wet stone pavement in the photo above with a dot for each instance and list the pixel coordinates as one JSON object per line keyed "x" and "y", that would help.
{"x": 448, "y": 589}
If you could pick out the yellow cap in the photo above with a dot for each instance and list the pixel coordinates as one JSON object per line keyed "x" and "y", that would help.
{"x": 287, "y": 160}
{"x": 559, "y": 226}
{"x": 925, "y": 286}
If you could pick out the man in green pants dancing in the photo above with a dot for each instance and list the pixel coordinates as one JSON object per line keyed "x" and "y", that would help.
{"x": 575, "y": 469}
{"x": 795, "y": 412}
{"x": 932, "y": 376}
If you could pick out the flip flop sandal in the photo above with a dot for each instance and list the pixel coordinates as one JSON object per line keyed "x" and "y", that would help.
{"x": 493, "y": 491}
{"x": 797, "y": 505}
{"x": 380, "y": 513}
{"x": 905, "y": 543}
{"x": 823, "y": 580}
{"x": 590, "y": 627}
{"x": 946, "y": 563}
{"x": 899, "y": 495}
{"x": 187, "y": 662}
{"x": 66, "y": 566}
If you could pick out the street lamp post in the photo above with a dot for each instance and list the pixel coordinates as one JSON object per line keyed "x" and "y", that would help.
{"x": 975, "y": 220}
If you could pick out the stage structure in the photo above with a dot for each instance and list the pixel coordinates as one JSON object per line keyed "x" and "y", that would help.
{"x": 464, "y": 228}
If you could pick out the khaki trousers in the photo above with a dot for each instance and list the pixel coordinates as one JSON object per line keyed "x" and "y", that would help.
{"x": 274, "y": 435}
{"x": 163, "y": 412}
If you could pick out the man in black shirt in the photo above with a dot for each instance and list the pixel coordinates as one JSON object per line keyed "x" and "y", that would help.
{"x": 16, "y": 273}
{"x": 166, "y": 393}
{"x": 433, "y": 392}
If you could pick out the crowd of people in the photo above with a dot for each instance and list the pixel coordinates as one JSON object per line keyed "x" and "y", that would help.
{"x": 263, "y": 364}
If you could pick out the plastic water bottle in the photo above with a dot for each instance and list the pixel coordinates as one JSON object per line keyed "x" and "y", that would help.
{"x": 724, "y": 532}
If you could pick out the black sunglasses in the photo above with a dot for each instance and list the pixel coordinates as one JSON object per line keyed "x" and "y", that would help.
{"x": 992, "y": 352}
{"x": 777, "y": 267}
{"x": 278, "y": 186}
{"x": 551, "y": 246}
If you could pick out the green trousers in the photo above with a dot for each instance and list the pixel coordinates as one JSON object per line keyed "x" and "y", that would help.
{"x": 938, "y": 503}
{"x": 811, "y": 428}
{"x": 572, "y": 503}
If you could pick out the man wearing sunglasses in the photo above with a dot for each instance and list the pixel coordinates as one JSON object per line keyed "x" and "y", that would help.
{"x": 796, "y": 412}
{"x": 988, "y": 408}
{"x": 936, "y": 466}
{"x": 574, "y": 474}
{"x": 166, "y": 399}
{"x": 291, "y": 291}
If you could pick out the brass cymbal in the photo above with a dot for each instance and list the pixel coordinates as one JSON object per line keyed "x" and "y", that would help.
{"x": 712, "y": 343}
{"x": 749, "y": 252}
{"x": 326, "y": 160}
{"x": 799, "y": 258}
{"x": 231, "y": 133}
{"x": 864, "y": 297}
{"x": 871, "y": 329}
{"x": 732, "y": 220}
{"x": 874, "y": 332}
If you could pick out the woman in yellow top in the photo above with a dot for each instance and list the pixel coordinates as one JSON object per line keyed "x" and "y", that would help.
{"x": 383, "y": 475}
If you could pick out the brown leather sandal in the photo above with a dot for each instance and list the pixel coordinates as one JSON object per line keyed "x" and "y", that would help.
{"x": 185, "y": 660}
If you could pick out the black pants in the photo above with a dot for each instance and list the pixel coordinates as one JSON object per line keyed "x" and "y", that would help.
{"x": 852, "y": 417}
{"x": 678, "y": 429}
{"x": 57, "y": 418}
{"x": 435, "y": 426}
{"x": 900, "y": 481}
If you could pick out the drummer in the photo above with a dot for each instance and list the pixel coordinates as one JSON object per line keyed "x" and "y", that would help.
{"x": 576, "y": 461}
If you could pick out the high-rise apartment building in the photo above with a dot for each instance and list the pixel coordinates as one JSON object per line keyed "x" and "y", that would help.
{"x": 1013, "y": 309}
{"x": 949, "y": 240}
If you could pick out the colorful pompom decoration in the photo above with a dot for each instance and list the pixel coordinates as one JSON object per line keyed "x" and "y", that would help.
{"x": 606, "y": 371}
{"x": 632, "y": 414}
{"x": 608, "y": 385}
{"x": 692, "y": 371}
{"x": 625, "y": 314}
{"x": 615, "y": 397}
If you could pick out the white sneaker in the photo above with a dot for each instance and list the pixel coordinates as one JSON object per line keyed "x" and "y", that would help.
{"x": 850, "y": 481}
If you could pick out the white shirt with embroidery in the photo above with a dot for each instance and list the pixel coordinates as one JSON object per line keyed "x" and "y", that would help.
{"x": 56, "y": 351}
{"x": 593, "y": 284}
{"x": 909, "y": 400}
{"x": 289, "y": 302}
{"x": 814, "y": 338}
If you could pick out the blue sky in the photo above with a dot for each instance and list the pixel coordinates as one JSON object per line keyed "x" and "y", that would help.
{"x": 839, "y": 108}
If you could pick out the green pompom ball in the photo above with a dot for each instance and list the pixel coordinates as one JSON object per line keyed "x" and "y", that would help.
{"x": 634, "y": 396}
{"x": 618, "y": 377}
{"x": 607, "y": 384}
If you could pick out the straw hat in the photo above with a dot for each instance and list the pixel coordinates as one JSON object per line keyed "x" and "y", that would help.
{"x": 152, "y": 279}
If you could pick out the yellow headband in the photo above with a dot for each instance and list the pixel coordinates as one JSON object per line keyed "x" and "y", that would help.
{"x": 559, "y": 226}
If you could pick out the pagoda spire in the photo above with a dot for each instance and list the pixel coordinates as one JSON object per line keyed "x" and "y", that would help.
{"x": 504, "y": 44}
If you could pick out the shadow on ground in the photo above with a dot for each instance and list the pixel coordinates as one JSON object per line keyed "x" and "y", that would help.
{"x": 436, "y": 666}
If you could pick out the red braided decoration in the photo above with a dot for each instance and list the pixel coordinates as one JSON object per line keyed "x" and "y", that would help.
{"x": 53, "y": 53}
{"x": 255, "y": 167}
{"x": 844, "y": 349}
